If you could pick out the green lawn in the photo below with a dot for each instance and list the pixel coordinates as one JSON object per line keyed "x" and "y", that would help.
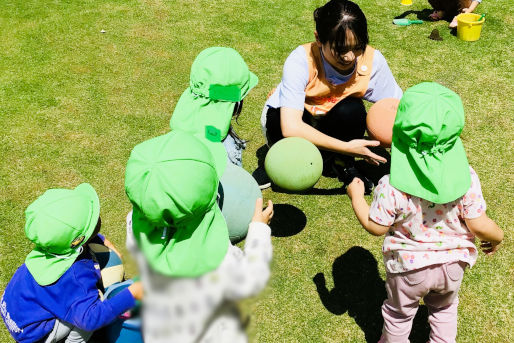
{"x": 74, "y": 101}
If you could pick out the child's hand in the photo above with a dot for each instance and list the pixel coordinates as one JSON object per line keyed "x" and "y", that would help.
{"x": 489, "y": 248}
{"x": 355, "y": 188}
{"x": 262, "y": 216}
{"x": 111, "y": 246}
{"x": 137, "y": 290}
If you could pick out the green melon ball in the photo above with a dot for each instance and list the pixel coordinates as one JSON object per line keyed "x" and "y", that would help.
{"x": 294, "y": 164}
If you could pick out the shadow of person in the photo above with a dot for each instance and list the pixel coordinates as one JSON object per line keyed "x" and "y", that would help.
{"x": 287, "y": 220}
{"x": 421, "y": 15}
{"x": 359, "y": 291}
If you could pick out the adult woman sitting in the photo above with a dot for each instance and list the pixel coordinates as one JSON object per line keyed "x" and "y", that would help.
{"x": 323, "y": 84}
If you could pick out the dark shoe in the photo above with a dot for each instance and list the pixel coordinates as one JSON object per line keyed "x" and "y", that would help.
{"x": 347, "y": 174}
{"x": 262, "y": 178}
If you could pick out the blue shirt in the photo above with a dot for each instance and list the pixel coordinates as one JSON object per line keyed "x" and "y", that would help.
{"x": 29, "y": 310}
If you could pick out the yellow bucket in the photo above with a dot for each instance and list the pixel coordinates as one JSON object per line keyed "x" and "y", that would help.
{"x": 468, "y": 28}
{"x": 406, "y": 2}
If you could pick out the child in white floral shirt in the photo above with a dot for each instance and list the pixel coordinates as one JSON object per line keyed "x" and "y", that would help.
{"x": 431, "y": 208}
{"x": 192, "y": 274}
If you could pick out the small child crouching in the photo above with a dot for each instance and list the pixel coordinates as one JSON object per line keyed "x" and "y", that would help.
{"x": 191, "y": 272}
{"x": 53, "y": 296}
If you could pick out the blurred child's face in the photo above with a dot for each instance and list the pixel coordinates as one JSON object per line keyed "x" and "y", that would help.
{"x": 342, "y": 62}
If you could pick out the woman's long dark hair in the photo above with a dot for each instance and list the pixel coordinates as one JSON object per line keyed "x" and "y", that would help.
{"x": 333, "y": 22}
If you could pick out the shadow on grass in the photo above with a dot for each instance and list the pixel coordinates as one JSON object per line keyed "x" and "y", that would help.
{"x": 261, "y": 155}
{"x": 359, "y": 291}
{"x": 311, "y": 191}
{"x": 421, "y": 15}
{"x": 287, "y": 220}
{"x": 372, "y": 172}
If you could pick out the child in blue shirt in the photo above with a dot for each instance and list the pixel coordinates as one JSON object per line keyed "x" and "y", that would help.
{"x": 54, "y": 296}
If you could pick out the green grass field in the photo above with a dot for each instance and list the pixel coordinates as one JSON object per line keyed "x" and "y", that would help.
{"x": 74, "y": 101}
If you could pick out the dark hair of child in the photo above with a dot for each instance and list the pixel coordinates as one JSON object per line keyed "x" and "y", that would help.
{"x": 335, "y": 20}
{"x": 238, "y": 107}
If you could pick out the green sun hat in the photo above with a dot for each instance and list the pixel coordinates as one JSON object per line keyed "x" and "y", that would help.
{"x": 172, "y": 183}
{"x": 219, "y": 78}
{"x": 428, "y": 159}
{"x": 59, "y": 222}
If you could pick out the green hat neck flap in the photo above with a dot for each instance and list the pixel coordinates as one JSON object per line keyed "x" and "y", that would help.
{"x": 219, "y": 78}
{"x": 59, "y": 222}
{"x": 172, "y": 183}
{"x": 428, "y": 159}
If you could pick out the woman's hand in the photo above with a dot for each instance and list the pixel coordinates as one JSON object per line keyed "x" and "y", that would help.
{"x": 260, "y": 215}
{"x": 359, "y": 148}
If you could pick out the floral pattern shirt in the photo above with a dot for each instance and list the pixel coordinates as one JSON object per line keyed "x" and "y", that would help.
{"x": 203, "y": 309}
{"x": 423, "y": 233}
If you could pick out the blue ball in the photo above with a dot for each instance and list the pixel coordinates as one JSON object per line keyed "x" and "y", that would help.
{"x": 238, "y": 192}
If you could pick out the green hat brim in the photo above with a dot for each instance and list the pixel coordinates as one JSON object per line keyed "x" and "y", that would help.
{"x": 254, "y": 80}
{"x": 439, "y": 178}
{"x": 191, "y": 250}
{"x": 218, "y": 151}
{"x": 46, "y": 268}
{"x": 196, "y": 114}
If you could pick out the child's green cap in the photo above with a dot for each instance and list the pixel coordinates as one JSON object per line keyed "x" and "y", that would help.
{"x": 427, "y": 156}
{"x": 172, "y": 183}
{"x": 219, "y": 78}
{"x": 59, "y": 222}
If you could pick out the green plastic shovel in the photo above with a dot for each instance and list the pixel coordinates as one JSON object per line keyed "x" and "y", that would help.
{"x": 406, "y": 22}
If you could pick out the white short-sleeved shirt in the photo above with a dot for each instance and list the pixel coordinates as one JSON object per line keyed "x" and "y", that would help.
{"x": 291, "y": 90}
{"x": 423, "y": 233}
{"x": 201, "y": 310}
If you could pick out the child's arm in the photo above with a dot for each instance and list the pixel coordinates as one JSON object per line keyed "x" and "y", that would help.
{"x": 75, "y": 299}
{"x": 471, "y": 8}
{"x": 249, "y": 272}
{"x": 486, "y": 229}
{"x": 111, "y": 246}
{"x": 136, "y": 289}
{"x": 355, "y": 191}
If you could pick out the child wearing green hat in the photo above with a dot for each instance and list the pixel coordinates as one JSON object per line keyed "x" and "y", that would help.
{"x": 431, "y": 209}
{"x": 57, "y": 284}
{"x": 191, "y": 272}
{"x": 219, "y": 81}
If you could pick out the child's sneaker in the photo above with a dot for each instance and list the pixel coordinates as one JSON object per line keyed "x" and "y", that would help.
{"x": 262, "y": 178}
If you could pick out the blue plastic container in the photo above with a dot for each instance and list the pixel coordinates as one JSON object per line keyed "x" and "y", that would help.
{"x": 123, "y": 330}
